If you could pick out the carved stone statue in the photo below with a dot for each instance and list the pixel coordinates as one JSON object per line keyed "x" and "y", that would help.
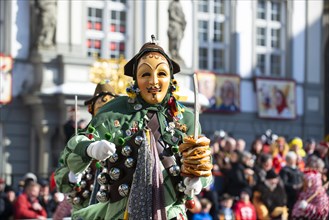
{"x": 46, "y": 14}
{"x": 177, "y": 24}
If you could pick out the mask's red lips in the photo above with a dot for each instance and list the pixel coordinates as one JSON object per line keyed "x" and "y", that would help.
{"x": 154, "y": 89}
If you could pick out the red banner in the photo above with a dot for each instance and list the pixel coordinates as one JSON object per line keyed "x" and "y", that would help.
{"x": 6, "y": 65}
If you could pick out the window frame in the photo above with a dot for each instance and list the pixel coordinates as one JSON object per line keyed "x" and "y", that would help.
{"x": 268, "y": 50}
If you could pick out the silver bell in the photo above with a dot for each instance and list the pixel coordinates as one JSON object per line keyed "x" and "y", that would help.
{"x": 102, "y": 196}
{"x": 180, "y": 187}
{"x": 76, "y": 200}
{"x": 103, "y": 178}
{"x": 126, "y": 151}
{"x": 83, "y": 184}
{"x": 123, "y": 190}
{"x": 139, "y": 140}
{"x": 86, "y": 194}
{"x": 91, "y": 188}
{"x": 130, "y": 162}
{"x": 174, "y": 170}
{"x": 69, "y": 199}
{"x": 113, "y": 158}
{"x": 114, "y": 173}
{"x": 103, "y": 163}
{"x": 89, "y": 176}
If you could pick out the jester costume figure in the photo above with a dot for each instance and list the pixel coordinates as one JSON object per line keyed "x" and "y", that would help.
{"x": 134, "y": 142}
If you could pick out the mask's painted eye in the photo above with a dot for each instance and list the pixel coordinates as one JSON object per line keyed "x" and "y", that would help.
{"x": 162, "y": 74}
{"x": 146, "y": 74}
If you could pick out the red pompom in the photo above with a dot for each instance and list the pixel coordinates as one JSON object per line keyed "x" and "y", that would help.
{"x": 90, "y": 136}
{"x": 190, "y": 203}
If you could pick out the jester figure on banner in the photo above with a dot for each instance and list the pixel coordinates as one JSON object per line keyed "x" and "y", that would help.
{"x": 149, "y": 164}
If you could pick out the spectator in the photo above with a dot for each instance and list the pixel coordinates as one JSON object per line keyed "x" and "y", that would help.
{"x": 240, "y": 145}
{"x": 279, "y": 150}
{"x": 256, "y": 148}
{"x": 69, "y": 126}
{"x": 241, "y": 175}
{"x": 296, "y": 145}
{"x": 322, "y": 152}
{"x": 309, "y": 148}
{"x": 6, "y": 206}
{"x": 270, "y": 198}
{"x": 27, "y": 205}
{"x": 263, "y": 166}
{"x": 243, "y": 208}
{"x": 224, "y": 159}
{"x": 292, "y": 179}
{"x": 46, "y": 199}
{"x": 226, "y": 212}
{"x": 205, "y": 208}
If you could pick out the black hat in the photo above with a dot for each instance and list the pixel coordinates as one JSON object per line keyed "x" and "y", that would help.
{"x": 271, "y": 174}
{"x": 130, "y": 67}
{"x": 102, "y": 88}
{"x": 247, "y": 190}
{"x": 226, "y": 196}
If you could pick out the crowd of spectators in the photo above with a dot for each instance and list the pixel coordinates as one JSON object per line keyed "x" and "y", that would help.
{"x": 275, "y": 178}
{"x": 32, "y": 199}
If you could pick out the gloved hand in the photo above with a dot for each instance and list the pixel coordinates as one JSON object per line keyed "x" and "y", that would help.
{"x": 101, "y": 150}
{"x": 303, "y": 204}
{"x": 74, "y": 178}
{"x": 192, "y": 184}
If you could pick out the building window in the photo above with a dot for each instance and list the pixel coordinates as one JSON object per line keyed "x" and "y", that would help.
{"x": 106, "y": 28}
{"x": 94, "y": 48}
{"x": 95, "y": 19}
{"x": 212, "y": 32}
{"x": 270, "y": 38}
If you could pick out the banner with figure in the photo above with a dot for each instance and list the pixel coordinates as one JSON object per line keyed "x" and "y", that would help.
{"x": 276, "y": 98}
{"x": 222, "y": 91}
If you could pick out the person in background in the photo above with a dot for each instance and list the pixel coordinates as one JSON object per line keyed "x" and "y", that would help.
{"x": 240, "y": 145}
{"x": 309, "y": 147}
{"x": 226, "y": 211}
{"x": 243, "y": 208}
{"x": 296, "y": 145}
{"x": 27, "y": 205}
{"x": 241, "y": 175}
{"x": 69, "y": 126}
{"x": 270, "y": 198}
{"x": 321, "y": 152}
{"x": 46, "y": 199}
{"x": 256, "y": 149}
{"x": 6, "y": 201}
{"x": 205, "y": 208}
{"x": 279, "y": 150}
{"x": 263, "y": 166}
{"x": 292, "y": 178}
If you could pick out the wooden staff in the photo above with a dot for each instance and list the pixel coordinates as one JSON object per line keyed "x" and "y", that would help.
{"x": 316, "y": 193}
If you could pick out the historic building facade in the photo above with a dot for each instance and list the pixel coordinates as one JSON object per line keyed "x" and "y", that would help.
{"x": 54, "y": 43}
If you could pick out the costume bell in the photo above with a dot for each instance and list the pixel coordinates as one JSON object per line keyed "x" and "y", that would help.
{"x": 135, "y": 140}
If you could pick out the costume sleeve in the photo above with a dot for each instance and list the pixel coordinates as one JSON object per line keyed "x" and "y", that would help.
{"x": 73, "y": 158}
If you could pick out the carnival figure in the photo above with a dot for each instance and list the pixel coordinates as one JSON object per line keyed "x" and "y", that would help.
{"x": 149, "y": 162}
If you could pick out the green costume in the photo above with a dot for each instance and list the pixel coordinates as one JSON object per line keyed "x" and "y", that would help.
{"x": 125, "y": 121}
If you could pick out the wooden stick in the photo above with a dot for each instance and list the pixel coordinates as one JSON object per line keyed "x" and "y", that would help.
{"x": 76, "y": 115}
{"x": 316, "y": 193}
{"x": 196, "y": 113}
{"x": 196, "y": 107}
